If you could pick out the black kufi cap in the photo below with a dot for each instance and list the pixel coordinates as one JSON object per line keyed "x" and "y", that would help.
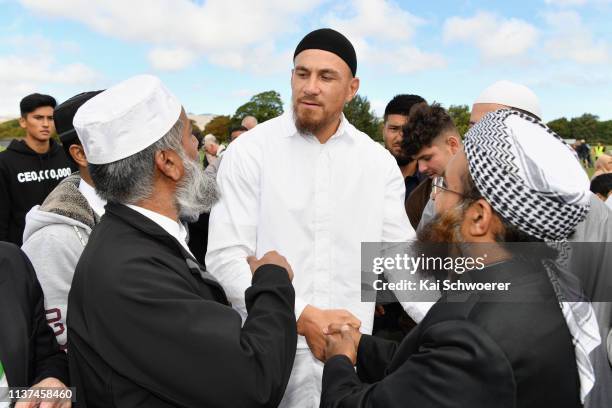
{"x": 64, "y": 113}
{"x": 330, "y": 40}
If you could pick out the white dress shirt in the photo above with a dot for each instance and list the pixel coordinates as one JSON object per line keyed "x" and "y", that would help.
{"x": 313, "y": 203}
{"x": 174, "y": 228}
{"x": 96, "y": 202}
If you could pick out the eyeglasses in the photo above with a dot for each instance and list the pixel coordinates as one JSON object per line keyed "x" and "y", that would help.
{"x": 439, "y": 184}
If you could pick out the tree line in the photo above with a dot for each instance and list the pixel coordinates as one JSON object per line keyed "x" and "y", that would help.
{"x": 268, "y": 105}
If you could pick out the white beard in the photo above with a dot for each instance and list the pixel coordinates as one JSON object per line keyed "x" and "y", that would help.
{"x": 196, "y": 192}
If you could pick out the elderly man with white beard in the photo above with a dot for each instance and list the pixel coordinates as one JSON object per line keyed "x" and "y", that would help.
{"x": 147, "y": 326}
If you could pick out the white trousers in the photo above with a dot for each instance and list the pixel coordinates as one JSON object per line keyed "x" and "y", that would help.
{"x": 304, "y": 388}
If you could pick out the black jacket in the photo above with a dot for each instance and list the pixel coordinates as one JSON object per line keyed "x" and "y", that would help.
{"x": 486, "y": 351}
{"x": 146, "y": 329}
{"x": 28, "y": 349}
{"x": 416, "y": 202}
{"x": 26, "y": 178}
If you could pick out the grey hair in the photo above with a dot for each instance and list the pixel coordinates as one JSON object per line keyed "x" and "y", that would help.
{"x": 130, "y": 180}
{"x": 210, "y": 139}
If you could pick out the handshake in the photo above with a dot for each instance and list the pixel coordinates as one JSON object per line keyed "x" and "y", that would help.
{"x": 328, "y": 332}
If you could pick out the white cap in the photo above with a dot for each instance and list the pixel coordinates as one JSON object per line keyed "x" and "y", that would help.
{"x": 126, "y": 119}
{"x": 512, "y": 95}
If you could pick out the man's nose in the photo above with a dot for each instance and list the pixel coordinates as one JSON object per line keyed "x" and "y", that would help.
{"x": 312, "y": 86}
{"x": 422, "y": 166}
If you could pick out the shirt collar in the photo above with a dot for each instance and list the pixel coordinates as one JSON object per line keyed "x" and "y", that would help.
{"x": 175, "y": 229}
{"x": 96, "y": 202}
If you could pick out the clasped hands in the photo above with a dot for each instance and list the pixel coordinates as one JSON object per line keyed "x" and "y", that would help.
{"x": 330, "y": 332}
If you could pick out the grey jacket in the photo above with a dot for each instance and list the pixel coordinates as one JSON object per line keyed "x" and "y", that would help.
{"x": 55, "y": 234}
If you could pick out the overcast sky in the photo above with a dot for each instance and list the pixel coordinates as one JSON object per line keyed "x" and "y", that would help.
{"x": 216, "y": 54}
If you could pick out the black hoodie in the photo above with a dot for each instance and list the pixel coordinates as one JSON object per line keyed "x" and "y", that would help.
{"x": 26, "y": 178}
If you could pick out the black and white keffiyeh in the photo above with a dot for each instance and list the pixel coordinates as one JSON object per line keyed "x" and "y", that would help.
{"x": 534, "y": 180}
{"x": 528, "y": 174}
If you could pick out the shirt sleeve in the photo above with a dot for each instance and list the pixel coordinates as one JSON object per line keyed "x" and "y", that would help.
{"x": 397, "y": 228}
{"x": 232, "y": 230}
{"x": 396, "y": 225}
{"x": 374, "y": 355}
{"x": 232, "y": 233}
{"x": 54, "y": 252}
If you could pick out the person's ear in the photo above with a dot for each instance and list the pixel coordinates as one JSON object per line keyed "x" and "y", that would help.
{"x": 479, "y": 220}
{"x": 78, "y": 155}
{"x": 22, "y": 122}
{"x": 169, "y": 164}
{"x": 353, "y": 88}
{"x": 453, "y": 143}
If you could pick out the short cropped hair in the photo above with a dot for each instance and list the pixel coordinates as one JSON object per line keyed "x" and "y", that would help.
{"x": 401, "y": 104}
{"x": 425, "y": 124}
{"x": 602, "y": 184}
{"x": 34, "y": 101}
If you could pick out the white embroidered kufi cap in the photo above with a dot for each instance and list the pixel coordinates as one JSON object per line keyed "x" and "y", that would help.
{"x": 126, "y": 119}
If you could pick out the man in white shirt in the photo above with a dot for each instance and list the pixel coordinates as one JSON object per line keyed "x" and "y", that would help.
{"x": 56, "y": 231}
{"x": 313, "y": 187}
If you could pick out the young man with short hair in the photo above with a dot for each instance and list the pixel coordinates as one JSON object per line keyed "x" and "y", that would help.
{"x": 394, "y": 119}
{"x": 29, "y": 168}
{"x": 431, "y": 138}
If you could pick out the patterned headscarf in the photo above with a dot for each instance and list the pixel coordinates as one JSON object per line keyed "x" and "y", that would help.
{"x": 528, "y": 174}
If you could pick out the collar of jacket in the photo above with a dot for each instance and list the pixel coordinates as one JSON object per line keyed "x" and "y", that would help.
{"x": 67, "y": 200}
{"x": 142, "y": 223}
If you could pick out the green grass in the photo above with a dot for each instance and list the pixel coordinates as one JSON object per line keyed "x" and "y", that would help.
{"x": 2, "y": 148}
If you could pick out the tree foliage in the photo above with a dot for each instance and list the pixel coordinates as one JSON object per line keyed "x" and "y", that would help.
{"x": 218, "y": 126}
{"x": 587, "y": 126}
{"x": 11, "y": 130}
{"x": 461, "y": 117}
{"x": 359, "y": 113}
{"x": 263, "y": 106}
{"x": 561, "y": 127}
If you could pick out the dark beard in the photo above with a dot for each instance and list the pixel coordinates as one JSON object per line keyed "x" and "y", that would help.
{"x": 441, "y": 238}
{"x": 444, "y": 228}
{"x": 305, "y": 125}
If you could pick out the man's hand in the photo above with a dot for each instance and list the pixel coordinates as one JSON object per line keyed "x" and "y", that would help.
{"x": 313, "y": 321}
{"x": 48, "y": 382}
{"x": 270, "y": 258}
{"x": 342, "y": 339}
{"x": 379, "y": 310}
